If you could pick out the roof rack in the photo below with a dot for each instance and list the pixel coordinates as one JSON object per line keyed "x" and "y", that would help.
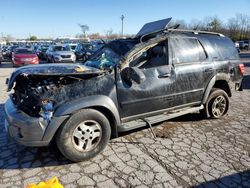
{"x": 196, "y": 32}
{"x": 179, "y": 30}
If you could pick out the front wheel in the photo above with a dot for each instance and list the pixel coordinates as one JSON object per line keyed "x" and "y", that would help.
{"x": 217, "y": 103}
{"x": 84, "y": 135}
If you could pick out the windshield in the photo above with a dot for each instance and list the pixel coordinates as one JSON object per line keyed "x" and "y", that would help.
{"x": 44, "y": 47}
{"x": 89, "y": 47}
{"x": 105, "y": 59}
{"x": 61, "y": 48}
{"x": 73, "y": 47}
{"x": 24, "y": 51}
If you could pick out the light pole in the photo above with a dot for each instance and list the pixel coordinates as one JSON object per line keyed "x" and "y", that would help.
{"x": 122, "y": 18}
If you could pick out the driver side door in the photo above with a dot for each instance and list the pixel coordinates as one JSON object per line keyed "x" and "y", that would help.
{"x": 154, "y": 92}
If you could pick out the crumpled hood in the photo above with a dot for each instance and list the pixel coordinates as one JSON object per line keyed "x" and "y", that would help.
{"x": 59, "y": 69}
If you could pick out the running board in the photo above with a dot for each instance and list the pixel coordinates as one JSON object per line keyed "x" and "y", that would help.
{"x": 157, "y": 119}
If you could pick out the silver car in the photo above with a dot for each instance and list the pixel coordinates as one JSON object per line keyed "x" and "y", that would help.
{"x": 59, "y": 54}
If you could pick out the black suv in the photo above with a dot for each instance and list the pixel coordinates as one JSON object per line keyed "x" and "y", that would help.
{"x": 85, "y": 50}
{"x": 159, "y": 74}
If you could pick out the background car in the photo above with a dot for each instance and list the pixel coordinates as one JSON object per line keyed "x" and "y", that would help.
{"x": 60, "y": 53}
{"x": 72, "y": 47}
{"x": 10, "y": 50}
{"x": 84, "y": 50}
{"x": 24, "y": 56}
{"x": 244, "y": 45}
{"x": 41, "y": 51}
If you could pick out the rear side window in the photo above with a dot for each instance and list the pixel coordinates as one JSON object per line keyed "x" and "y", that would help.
{"x": 187, "y": 50}
{"x": 224, "y": 48}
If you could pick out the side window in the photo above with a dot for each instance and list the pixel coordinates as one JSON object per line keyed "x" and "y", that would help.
{"x": 153, "y": 57}
{"x": 187, "y": 50}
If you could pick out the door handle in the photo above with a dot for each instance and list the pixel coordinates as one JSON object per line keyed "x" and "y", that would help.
{"x": 166, "y": 75}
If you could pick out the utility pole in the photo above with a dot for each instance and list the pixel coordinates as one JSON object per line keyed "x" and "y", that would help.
{"x": 122, "y": 18}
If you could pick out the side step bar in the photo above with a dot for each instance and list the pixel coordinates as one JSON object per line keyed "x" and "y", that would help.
{"x": 156, "y": 119}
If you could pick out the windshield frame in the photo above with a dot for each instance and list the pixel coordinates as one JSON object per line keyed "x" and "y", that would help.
{"x": 63, "y": 48}
{"x": 24, "y": 51}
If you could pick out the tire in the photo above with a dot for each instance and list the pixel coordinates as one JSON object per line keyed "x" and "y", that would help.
{"x": 85, "y": 134}
{"x": 217, "y": 104}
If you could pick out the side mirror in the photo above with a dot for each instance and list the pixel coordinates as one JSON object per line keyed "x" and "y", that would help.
{"x": 137, "y": 75}
{"x": 132, "y": 74}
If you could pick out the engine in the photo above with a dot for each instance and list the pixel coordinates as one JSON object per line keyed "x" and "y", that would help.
{"x": 37, "y": 95}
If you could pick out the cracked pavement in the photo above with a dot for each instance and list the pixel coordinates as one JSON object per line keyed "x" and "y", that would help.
{"x": 187, "y": 152}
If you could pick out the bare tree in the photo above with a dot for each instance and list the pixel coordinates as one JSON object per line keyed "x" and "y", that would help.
{"x": 238, "y": 28}
{"x": 195, "y": 24}
{"x": 182, "y": 24}
{"x": 233, "y": 27}
{"x": 109, "y": 32}
{"x": 8, "y": 38}
{"x": 244, "y": 24}
{"x": 212, "y": 24}
{"x": 84, "y": 28}
{"x": 95, "y": 36}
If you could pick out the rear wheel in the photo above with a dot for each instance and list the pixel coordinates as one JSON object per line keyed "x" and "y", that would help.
{"x": 217, "y": 103}
{"x": 84, "y": 135}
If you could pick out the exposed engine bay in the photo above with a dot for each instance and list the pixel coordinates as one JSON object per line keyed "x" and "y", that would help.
{"x": 34, "y": 94}
{"x": 39, "y": 94}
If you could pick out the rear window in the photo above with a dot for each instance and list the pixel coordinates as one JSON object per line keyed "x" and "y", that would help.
{"x": 224, "y": 48}
{"x": 24, "y": 51}
{"x": 89, "y": 46}
{"x": 61, "y": 48}
{"x": 73, "y": 47}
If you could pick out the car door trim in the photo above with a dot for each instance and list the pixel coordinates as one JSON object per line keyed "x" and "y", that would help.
{"x": 129, "y": 118}
{"x": 165, "y": 97}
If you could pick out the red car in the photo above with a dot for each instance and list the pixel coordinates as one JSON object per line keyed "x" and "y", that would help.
{"x": 24, "y": 56}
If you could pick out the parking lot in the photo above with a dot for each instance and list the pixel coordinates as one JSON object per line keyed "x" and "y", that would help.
{"x": 187, "y": 152}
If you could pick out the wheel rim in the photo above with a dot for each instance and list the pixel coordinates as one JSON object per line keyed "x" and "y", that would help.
{"x": 219, "y": 106}
{"x": 87, "y": 135}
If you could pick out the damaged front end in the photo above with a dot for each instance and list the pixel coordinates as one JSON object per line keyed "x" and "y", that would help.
{"x": 38, "y": 91}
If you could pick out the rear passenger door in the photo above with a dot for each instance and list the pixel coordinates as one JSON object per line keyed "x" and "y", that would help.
{"x": 188, "y": 58}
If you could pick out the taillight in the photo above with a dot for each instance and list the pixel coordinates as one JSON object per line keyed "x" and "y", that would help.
{"x": 242, "y": 68}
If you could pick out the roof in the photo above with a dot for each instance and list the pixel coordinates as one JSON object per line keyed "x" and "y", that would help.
{"x": 151, "y": 29}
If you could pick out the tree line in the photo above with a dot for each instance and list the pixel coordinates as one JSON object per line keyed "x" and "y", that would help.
{"x": 237, "y": 27}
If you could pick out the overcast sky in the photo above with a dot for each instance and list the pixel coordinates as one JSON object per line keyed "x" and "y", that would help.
{"x": 54, "y": 18}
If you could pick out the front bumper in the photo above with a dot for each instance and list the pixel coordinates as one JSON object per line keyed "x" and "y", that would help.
{"x": 27, "y": 130}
